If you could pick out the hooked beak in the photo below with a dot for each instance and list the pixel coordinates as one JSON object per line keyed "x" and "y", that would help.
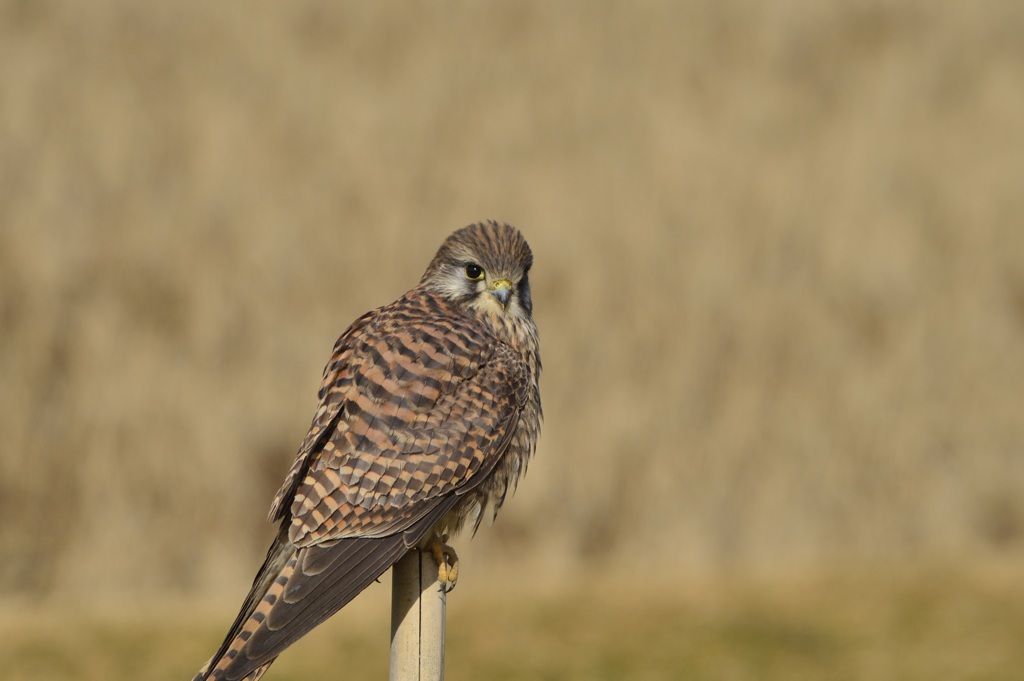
{"x": 502, "y": 290}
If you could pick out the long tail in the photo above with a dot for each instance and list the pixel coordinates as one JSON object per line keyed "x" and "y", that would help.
{"x": 298, "y": 588}
{"x": 254, "y": 675}
{"x": 279, "y": 556}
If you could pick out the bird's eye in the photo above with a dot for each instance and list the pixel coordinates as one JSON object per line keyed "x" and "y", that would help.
{"x": 474, "y": 271}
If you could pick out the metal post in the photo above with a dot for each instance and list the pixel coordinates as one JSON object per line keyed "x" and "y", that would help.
{"x": 417, "y": 619}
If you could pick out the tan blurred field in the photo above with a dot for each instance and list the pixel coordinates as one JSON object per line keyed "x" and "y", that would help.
{"x": 779, "y": 280}
{"x": 947, "y": 626}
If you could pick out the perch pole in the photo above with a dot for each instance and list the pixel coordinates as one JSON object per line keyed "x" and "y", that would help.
{"x": 417, "y": 619}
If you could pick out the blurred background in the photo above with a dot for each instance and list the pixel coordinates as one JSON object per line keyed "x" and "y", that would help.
{"x": 779, "y": 281}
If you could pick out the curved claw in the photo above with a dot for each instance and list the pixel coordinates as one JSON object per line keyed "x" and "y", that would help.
{"x": 447, "y": 564}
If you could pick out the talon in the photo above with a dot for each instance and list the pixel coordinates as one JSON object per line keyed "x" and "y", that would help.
{"x": 447, "y": 564}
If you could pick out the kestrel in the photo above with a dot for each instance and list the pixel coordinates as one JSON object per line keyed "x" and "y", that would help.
{"x": 429, "y": 412}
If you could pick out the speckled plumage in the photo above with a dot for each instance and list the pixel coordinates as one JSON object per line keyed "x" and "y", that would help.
{"x": 429, "y": 412}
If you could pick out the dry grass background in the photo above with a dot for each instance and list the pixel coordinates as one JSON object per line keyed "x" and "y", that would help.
{"x": 779, "y": 279}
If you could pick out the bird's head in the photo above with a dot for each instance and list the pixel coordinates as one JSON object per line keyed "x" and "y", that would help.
{"x": 484, "y": 268}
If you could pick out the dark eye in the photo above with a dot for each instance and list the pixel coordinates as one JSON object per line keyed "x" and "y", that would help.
{"x": 474, "y": 271}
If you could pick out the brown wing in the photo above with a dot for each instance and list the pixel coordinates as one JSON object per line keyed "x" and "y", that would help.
{"x": 323, "y": 421}
{"x": 413, "y": 413}
{"x": 409, "y": 412}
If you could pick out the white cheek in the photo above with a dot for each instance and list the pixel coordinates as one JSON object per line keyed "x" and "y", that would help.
{"x": 452, "y": 287}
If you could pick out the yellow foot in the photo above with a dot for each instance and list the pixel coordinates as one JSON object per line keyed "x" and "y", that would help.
{"x": 447, "y": 562}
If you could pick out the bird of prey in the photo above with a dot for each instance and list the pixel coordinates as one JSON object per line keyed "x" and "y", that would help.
{"x": 429, "y": 412}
